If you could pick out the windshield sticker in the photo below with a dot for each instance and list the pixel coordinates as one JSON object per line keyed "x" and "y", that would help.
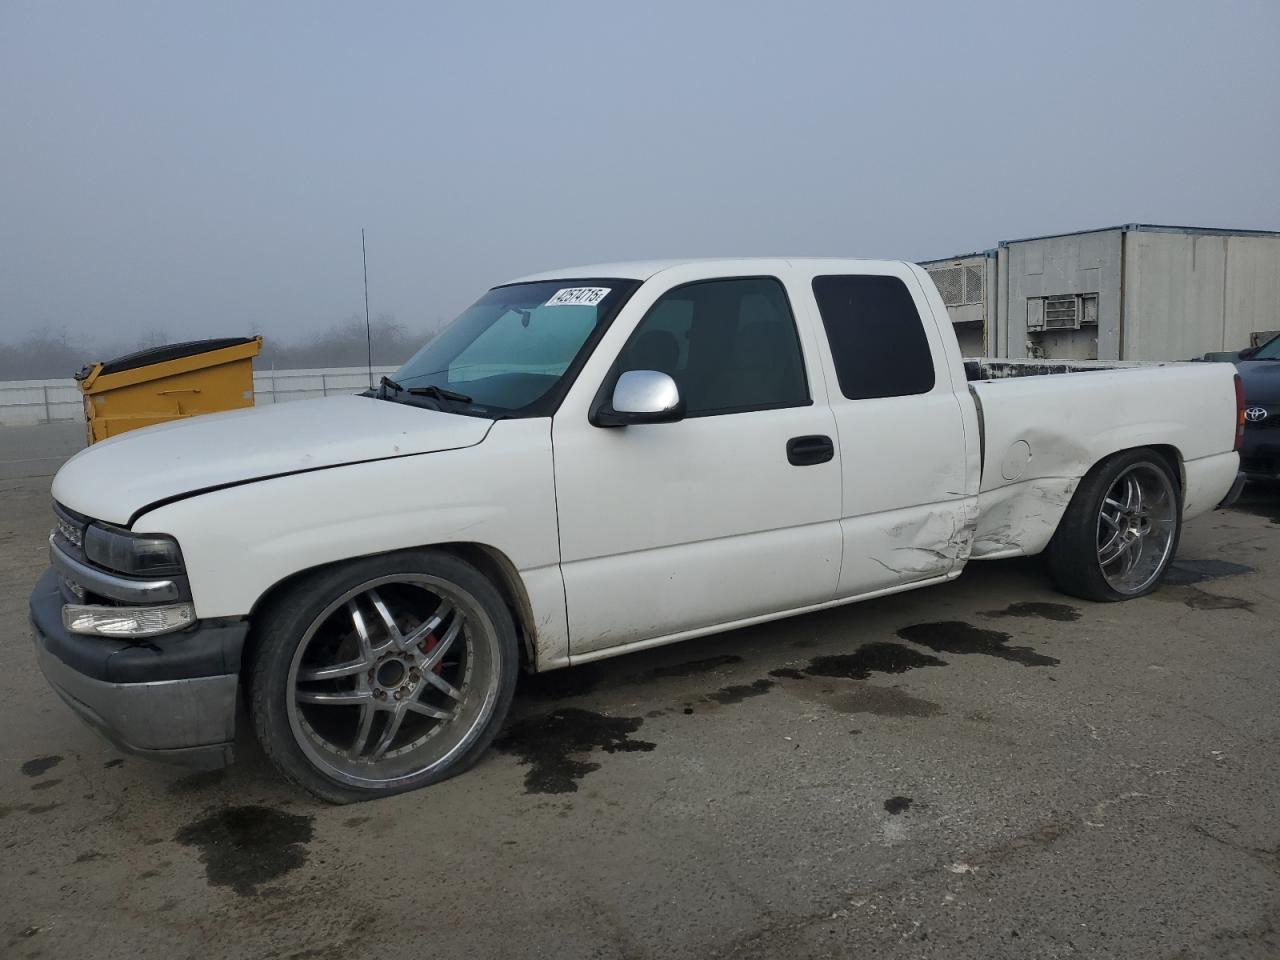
{"x": 578, "y": 297}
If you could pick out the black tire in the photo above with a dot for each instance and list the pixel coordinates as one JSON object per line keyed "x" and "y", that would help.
{"x": 1073, "y": 553}
{"x": 309, "y": 610}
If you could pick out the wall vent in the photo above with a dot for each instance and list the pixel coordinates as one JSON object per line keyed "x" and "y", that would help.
{"x": 958, "y": 285}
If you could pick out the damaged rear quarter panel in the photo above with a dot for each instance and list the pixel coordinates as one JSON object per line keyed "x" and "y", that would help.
{"x": 1070, "y": 422}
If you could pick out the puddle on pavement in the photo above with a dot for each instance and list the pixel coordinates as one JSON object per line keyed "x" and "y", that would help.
{"x": 690, "y": 668}
{"x": 244, "y": 847}
{"x": 577, "y": 681}
{"x": 560, "y": 684}
{"x": 958, "y": 637}
{"x": 1198, "y": 599}
{"x": 871, "y": 658}
{"x": 38, "y": 765}
{"x": 740, "y": 691}
{"x": 1061, "y": 612}
{"x": 551, "y": 745}
{"x": 787, "y": 673}
{"x": 36, "y": 808}
{"x": 861, "y": 697}
{"x": 1184, "y": 572}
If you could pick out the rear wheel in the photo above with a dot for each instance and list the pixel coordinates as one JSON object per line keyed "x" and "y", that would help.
{"x": 1120, "y": 531}
{"x": 382, "y": 675}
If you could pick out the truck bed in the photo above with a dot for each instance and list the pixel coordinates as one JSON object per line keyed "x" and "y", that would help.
{"x": 1041, "y": 433}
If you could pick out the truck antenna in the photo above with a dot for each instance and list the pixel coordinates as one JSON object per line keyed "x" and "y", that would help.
{"x": 368, "y": 330}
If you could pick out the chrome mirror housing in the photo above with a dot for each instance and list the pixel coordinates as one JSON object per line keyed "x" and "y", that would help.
{"x": 642, "y": 396}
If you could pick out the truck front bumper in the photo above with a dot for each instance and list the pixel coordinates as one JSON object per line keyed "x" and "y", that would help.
{"x": 171, "y": 698}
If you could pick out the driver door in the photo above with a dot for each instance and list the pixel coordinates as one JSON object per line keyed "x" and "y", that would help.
{"x": 670, "y": 529}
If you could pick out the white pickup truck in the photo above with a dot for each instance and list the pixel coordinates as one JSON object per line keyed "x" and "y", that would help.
{"x": 588, "y": 462}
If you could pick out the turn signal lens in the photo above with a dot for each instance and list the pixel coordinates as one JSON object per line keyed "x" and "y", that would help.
{"x": 126, "y": 621}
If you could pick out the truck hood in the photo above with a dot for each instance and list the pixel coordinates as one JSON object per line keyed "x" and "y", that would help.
{"x": 115, "y": 479}
{"x": 1261, "y": 379}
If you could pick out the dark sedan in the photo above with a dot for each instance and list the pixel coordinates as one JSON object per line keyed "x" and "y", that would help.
{"x": 1260, "y": 372}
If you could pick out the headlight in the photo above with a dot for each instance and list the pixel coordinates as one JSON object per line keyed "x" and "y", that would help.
{"x": 126, "y": 621}
{"x": 138, "y": 555}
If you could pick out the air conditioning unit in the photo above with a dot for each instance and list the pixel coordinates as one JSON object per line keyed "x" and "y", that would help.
{"x": 1068, "y": 312}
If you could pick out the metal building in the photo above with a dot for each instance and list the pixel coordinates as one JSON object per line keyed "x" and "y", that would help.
{"x": 1132, "y": 292}
{"x": 967, "y": 284}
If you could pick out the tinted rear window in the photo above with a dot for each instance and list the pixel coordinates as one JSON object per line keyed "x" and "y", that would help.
{"x": 877, "y": 340}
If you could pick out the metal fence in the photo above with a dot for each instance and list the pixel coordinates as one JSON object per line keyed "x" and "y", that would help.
{"x": 30, "y": 402}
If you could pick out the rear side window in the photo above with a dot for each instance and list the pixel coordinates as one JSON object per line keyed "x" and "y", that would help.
{"x": 876, "y": 337}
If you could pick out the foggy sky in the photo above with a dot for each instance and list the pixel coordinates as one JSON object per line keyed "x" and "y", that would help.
{"x": 205, "y": 169}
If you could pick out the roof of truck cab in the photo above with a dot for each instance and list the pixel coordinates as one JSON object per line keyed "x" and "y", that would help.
{"x": 644, "y": 269}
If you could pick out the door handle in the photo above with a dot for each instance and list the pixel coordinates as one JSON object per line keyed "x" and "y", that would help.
{"x": 810, "y": 450}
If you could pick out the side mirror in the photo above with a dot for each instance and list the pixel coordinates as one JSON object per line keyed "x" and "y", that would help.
{"x": 641, "y": 396}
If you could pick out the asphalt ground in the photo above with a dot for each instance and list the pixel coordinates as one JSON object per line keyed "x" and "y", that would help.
{"x": 984, "y": 769}
{"x": 38, "y": 451}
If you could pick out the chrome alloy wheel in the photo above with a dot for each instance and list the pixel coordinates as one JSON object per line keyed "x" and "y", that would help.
{"x": 1136, "y": 528}
{"x": 393, "y": 679}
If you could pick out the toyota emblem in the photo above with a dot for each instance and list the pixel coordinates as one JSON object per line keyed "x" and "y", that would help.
{"x": 1255, "y": 414}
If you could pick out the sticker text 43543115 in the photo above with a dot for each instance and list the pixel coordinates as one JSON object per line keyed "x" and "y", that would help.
{"x": 578, "y": 297}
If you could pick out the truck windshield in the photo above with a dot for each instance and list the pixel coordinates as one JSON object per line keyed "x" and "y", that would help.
{"x": 514, "y": 351}
{"x": 1269, "y": 350}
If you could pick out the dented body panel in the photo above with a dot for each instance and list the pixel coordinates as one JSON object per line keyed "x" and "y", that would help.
{"x": 1042, "y": 434}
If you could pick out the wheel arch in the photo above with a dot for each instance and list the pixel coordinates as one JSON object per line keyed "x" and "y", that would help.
{"x": 495, "y": 565}
{"x": 1167, "y": 452}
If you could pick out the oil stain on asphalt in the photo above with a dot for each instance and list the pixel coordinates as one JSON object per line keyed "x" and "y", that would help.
{"x": 581, "y": 680}
{"x": 38, "y": 765}
{"x": 958, "y": 637}
{"x": 1198, "y": 599}
{"x": 871, "y": 657}
{"x": 244, "y": 847}
{"x": 859, "y": 697}
{"x": 740, "y": 691}
{"x": 551, "y": 745}
{"x": 1061, "y": 612}
{"x": 1182, "y": 573}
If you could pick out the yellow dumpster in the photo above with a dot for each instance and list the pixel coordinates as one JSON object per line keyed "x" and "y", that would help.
{"x": 167, "y": 383}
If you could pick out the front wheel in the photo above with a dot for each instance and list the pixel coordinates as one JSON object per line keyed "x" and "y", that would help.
{"x": 382, "y": 675}
{"x": 1120, "y": 531}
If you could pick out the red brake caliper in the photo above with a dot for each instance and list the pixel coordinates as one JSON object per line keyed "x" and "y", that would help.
{"x": 429, "y": 644}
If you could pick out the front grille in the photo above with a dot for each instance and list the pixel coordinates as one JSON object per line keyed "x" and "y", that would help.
{"x": 70, "y": 524}
{"x": 68, "y": 530}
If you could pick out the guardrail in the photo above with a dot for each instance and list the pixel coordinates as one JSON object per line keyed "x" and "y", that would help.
{"x": 30, "y": 402}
